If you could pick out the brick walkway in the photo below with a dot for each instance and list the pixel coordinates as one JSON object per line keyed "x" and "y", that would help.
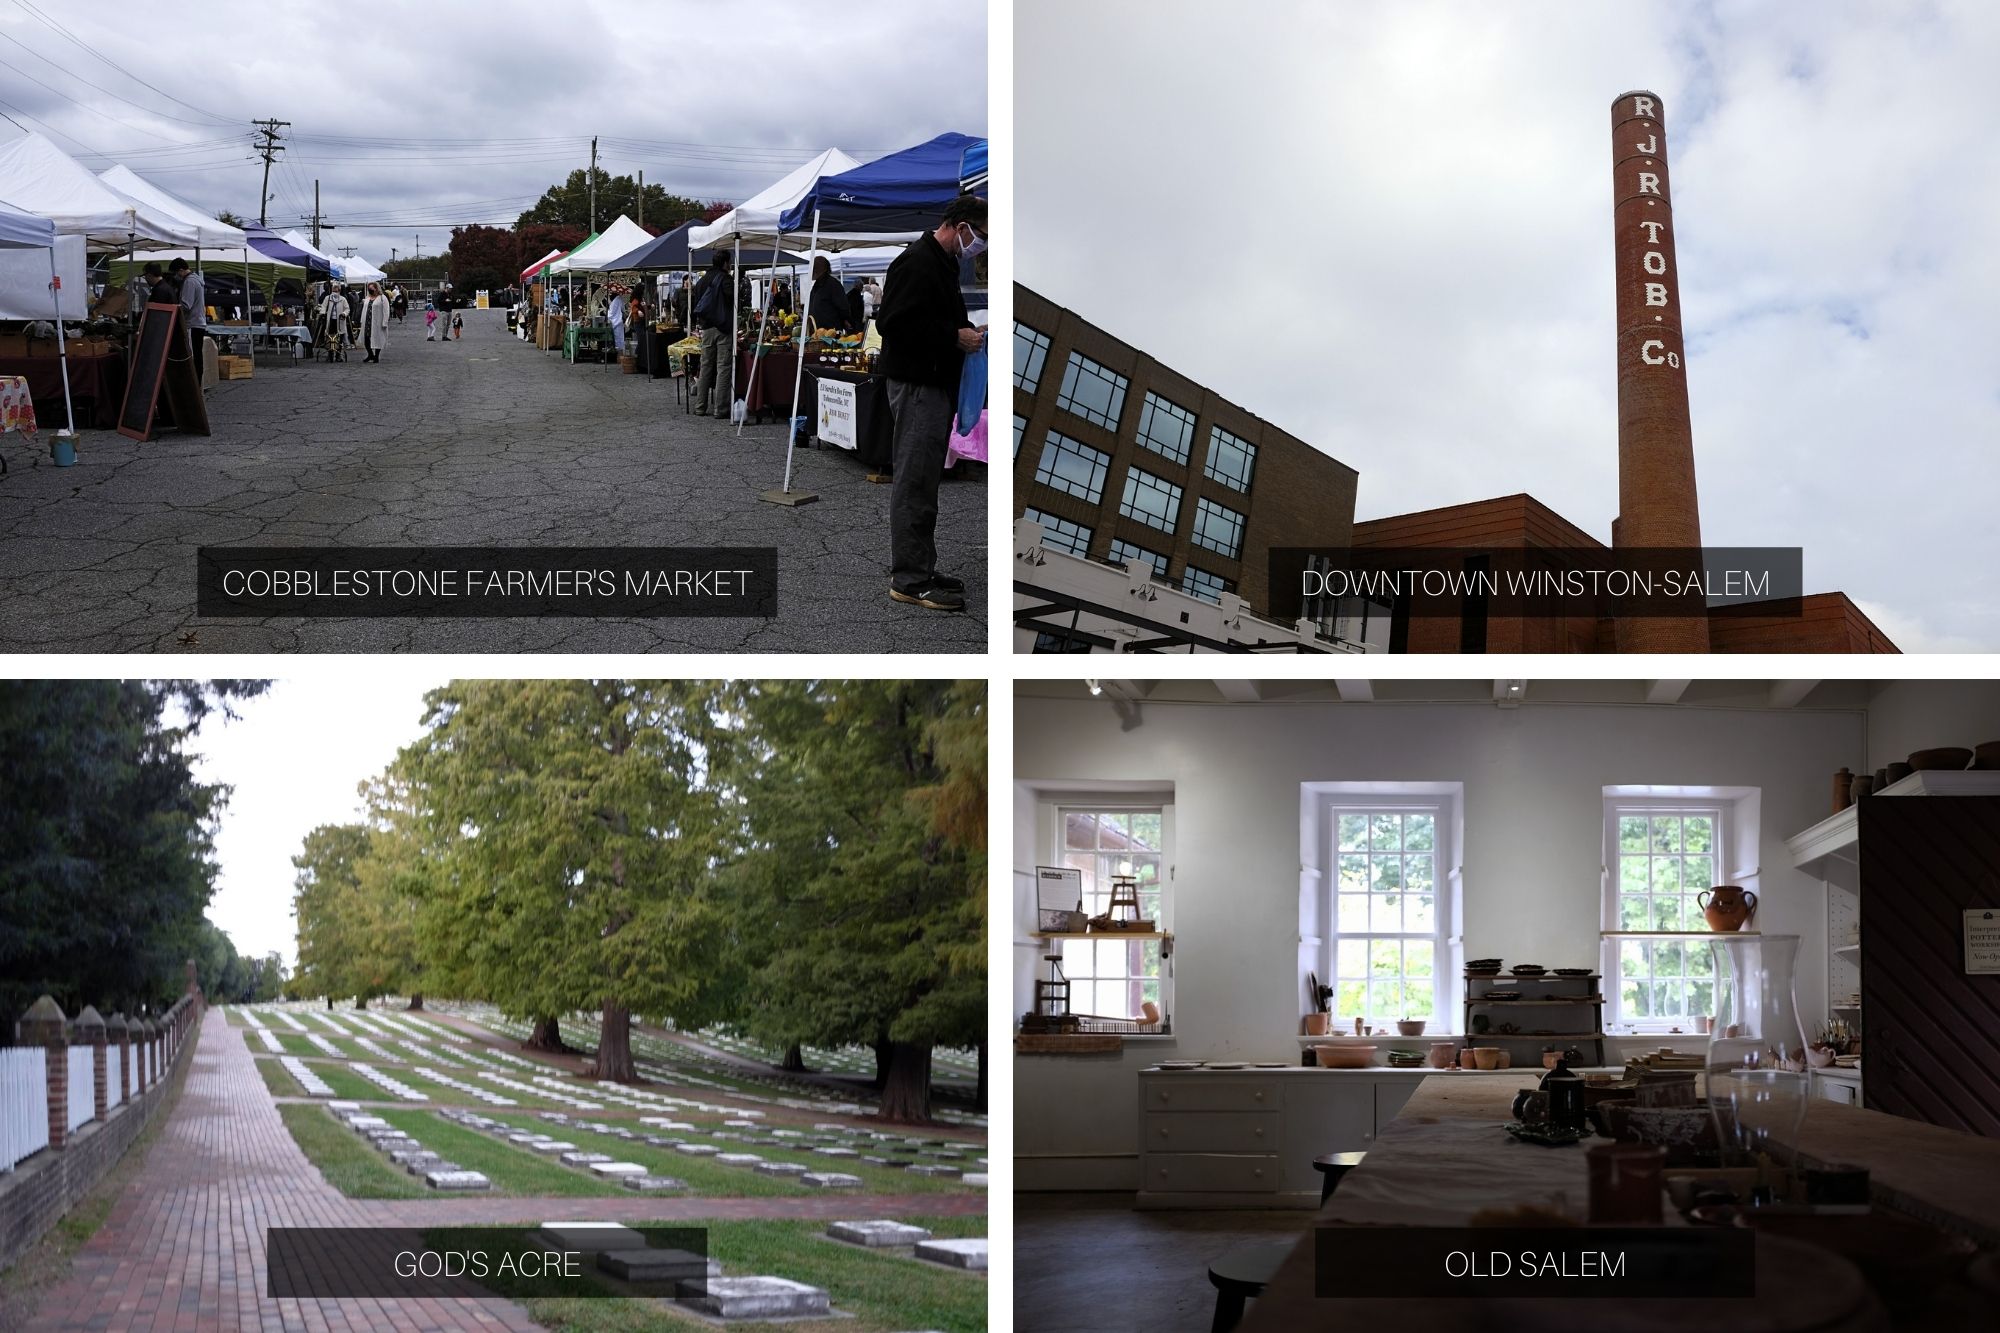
{"x": 183, "y": 1249}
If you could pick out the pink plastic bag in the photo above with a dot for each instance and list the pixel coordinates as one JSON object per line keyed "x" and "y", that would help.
{"x": 971, "y": 446}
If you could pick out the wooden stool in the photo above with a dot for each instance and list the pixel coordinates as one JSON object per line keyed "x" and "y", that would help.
{"x": 1331, "y": 1167}
{"x": 1242, "y": 1273}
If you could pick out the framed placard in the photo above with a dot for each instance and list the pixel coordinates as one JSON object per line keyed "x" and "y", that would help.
{"x": 1058, "y": 898}
{"x": 1982, "y": 940}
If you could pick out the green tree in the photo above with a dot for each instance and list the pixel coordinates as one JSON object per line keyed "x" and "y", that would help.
{"x": 569, "y": 204}
{"x": 332, "y": 918}
{"x": 859, "y": 881}
{"x": 576, "y": 839}
{"x": 105, "y": 839}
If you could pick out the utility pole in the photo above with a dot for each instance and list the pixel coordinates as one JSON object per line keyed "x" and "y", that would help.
{"x": 420, "y": 247}
{"x": 268, "y": 150}
{"x": 642, "y": 199}
{"x": 347, "y": 251}
{"x": 593, "y": 182}
{"x": 315, "y": 213}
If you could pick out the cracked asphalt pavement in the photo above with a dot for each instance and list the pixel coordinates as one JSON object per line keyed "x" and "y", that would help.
{"x": 484, "y": 441}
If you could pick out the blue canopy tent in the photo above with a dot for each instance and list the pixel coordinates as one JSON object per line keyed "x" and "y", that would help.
{"x": 273, "y": 246}
{"x": 903, "y": 192}
{"x": 25, "y": 231}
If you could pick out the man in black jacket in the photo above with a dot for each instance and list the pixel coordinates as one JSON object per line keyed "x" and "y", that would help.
{"x": 712, "y": 315}
{"x": 925, "y": 336}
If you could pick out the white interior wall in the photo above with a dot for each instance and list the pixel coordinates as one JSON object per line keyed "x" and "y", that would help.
{"x": 1533, "y": 828}
{"x": 1907, "y": 715}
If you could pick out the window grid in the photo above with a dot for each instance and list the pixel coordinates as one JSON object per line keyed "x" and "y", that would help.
{"x": 1664, "y": 858}
{"x": 1092, "y": 392}
{"x": 1031, "y": 353}
{"x": 1111, "y": 977}
{"x": 1060, "y": 532}
{"x": 1218, "y": 528}
{"x": 1020, "y": 429}
{"x": 1231, "y": 459}
{"x": 1166, "y": 428}
{"x": 1151, "y": 500}
{"x": 1072, "y": 468}
{"x": 1127, "y": 553}
{"x": 1389, "y": 927}
{"x": 1209, "y": 587}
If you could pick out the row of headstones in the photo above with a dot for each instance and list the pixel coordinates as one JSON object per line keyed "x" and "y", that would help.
{"x": 395, "y": 1087}
{"x": 404, "y": 1150}
{"x": 792, "y": 1139}
{"x": 270, "y": 1040}
{"x": 629, "y": 1175}
{"x": 875, "y": 1147}
{"x": 805, "y": 1175}
{"x": 476, "y": 1093}
{"x": 698, "y": 1283}
{"x": 967, "y": 1252}
{"x": 314, "y": 1085}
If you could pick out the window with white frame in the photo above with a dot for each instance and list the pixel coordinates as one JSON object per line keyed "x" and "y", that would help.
{"x": 1660, "y": 856}
{"x": 1390, "y": 918}
{"x": 1110, "y": 977}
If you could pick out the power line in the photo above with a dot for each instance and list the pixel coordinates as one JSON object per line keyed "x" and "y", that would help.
{"x": 78, "y": 42}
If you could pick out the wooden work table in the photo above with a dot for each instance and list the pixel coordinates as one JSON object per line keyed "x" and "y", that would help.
{"x": 1445, "y": 1158}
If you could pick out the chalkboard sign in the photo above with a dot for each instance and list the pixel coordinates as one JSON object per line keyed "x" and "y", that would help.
{"x": 162, "y": 357}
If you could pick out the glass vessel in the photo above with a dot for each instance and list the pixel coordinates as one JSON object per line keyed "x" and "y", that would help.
{"x": 1757, "y": 1081}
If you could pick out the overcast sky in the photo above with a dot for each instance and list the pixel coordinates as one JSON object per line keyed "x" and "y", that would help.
{"x": 1386, "y": 228}
{"x": 296, "y": 757}
{"x": 467, "y": 110}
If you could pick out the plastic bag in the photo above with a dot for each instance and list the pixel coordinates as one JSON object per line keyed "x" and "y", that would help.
{"x": 972, "y": 391}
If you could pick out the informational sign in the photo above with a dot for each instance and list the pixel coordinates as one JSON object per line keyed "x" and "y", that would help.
{"x": 836, "y": 412}
{"x": 479, "y": 301}
{"x": 1058, "y": 899}
{"x": 1982, "y": 940}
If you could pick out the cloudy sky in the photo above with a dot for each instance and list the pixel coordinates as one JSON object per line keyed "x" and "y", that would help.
{"x": 295, "y": 757}
{"x": 1386, "y": 228}
{"x": 413, "y": 117}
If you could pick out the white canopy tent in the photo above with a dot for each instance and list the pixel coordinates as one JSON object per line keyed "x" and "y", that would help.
{"x": 356, "y": 269}
{"x": 42, "y": 179}
{"x": 21, "y": 232}
{"x": 616, "y": 241}
{"x": 209, "y": 234}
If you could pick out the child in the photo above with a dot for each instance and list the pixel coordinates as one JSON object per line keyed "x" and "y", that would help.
{"x": 430, "y": 321}
{"x": 457, "y": 325}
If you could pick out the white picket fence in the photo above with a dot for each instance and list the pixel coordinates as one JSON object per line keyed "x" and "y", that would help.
{"x": 82, "y": 1085}
{"x": 24, "y": 1103}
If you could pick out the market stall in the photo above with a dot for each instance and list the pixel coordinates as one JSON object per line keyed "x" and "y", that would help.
{"x": 22, "y": 234}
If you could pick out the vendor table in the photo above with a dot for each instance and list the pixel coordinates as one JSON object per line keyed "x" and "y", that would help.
{"x": 874, "y": 427}
{"x": 579, "y": 338}
{"x": 1444, "y": 1158}
{"x": 96, "y": 385}
{"x": 17, "y": 409}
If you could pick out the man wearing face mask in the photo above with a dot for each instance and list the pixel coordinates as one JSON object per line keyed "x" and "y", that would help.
{"x": 925, "y": 336}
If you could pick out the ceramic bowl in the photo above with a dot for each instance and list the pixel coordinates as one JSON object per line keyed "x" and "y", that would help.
{"x": 1949, "y": 758}
{"x": 1411, "y": 1027}
{"x": 1344, "y": 1057}
{"x": 1819, "y": 1057}
{"x": 1986, "y": 755}
{"x": 1485, "y": 1057}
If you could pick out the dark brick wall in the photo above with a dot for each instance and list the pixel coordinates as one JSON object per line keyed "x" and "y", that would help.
{"x": 1298, "y": 496}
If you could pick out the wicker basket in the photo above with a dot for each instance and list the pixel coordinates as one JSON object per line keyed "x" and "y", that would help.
{"x": 628, "y": 364}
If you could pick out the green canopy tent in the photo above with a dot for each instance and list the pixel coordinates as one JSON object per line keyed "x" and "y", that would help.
{"x": 260, "y": 272}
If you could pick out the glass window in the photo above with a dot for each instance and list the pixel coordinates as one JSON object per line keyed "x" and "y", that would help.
{"x": 1388, "y": 923}
{"x": 1209, "y": 587}
{"x": 1072, "y": 468}
{"x": 1031, "y": 351}
{"x": 1092, "y": 392}
{"x": 1166, "y": 428}
{"x": 1663, "y": 857}
{"x": 1060, "y": 643}
{"x": 1152, "y": 500}
{"x": 1219, "y": 529}
{"x": 1230, "y": 459}
{"x": 1109, "y": 976}
{"x": 1020, "y": 428}
{"x": 1059, "y": 532}
{"x": 1127, "y": 553}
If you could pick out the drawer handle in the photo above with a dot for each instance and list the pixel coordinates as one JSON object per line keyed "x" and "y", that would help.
{"x": 1163, "y": 1096}
{"x": 1163, "y": 1170}
{"x": 1163, "y": 1131}
{"x": 1260, "y": 1133}
{"x": 1257, "y": 1096}
{"x": 1258, "y": 1173}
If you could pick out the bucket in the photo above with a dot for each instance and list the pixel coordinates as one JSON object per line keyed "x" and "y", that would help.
{"x": 628, "y": 364}
{"x": 63, "y": 449}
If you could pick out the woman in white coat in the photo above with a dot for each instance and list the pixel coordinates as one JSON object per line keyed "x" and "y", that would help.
{"x": 374, "y": 321}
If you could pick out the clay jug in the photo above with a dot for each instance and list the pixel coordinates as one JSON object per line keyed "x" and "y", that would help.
{"x": 1727, "y": 907}
{"x": 1843, "y": 787}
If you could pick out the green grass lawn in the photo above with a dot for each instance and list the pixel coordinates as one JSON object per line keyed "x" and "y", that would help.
{"x": 884, "y": 1292}
{"x": 234, "y": 1016}
{"x": 278, "y": 1081}
{"x": 348, "y": 1084}
{"x": 295, "y": 1043}
{"x": 710, "y": 1178}
{"x": 512, "y": 1170}
{"x": 346, "y": 1159}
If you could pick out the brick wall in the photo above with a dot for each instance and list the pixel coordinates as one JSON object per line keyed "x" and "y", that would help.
{"x": 38, "y": 1192}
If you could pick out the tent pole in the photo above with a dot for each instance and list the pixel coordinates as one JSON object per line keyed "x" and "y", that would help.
{"x": 757, "y": 357}
{"x": 798, "y": 377}
{"x": 735, "y": 315}
{"x": 62, "y": 342}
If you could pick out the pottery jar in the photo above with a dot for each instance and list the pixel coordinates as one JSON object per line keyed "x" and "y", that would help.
{"x": 1727, "y": 907}
{"x": 1625, "y": 1182}
{"x": 1443, "y": 1054}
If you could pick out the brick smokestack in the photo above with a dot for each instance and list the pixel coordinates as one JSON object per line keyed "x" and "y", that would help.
{"x": 1656, "y": 492}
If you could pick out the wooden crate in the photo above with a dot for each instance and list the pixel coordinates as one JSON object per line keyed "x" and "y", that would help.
{"x": 1067, "y": 1043}
{"x": 234, "y": 367}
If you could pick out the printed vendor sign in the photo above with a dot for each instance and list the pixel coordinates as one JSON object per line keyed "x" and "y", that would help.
{"x": 1982, "y": 940}
{"x": 836, "y": 413}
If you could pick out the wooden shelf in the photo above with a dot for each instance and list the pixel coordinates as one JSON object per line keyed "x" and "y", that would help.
{"x": 1508, "y": 977}
{"x": 1102, "y": 935}
{"x": 1478, "y": 1037}
{"x": 1571, "y": 999}
{"x": 1835, "y": 836}
{"x": 1679, "y": 934}
{"x": 1854, "y": 949}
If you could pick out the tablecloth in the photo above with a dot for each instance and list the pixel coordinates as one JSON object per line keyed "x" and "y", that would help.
{"x": 96, "y": 386}
{"x": 17, "y": 405}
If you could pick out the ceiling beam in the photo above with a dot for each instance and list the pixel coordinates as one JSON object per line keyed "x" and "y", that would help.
{"x": 1666, "y": 691}
{"x": 1790, "y": 693}
{"x": 1355, "y": 691}
{"x": 1240, "y": 691}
